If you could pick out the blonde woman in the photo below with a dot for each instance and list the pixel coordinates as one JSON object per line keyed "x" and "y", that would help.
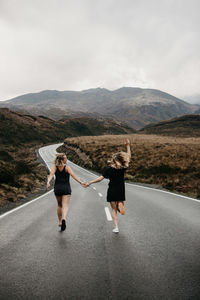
{"x": 62, "y": 188}
{"x": 116, "y": 190}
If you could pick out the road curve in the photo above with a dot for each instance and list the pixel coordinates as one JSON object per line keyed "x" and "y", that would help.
{"x": 155, "y": 255}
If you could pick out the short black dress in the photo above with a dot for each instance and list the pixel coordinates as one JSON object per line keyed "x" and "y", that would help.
{"x": 116, "y": 186}
{"x": 62, "y": 185}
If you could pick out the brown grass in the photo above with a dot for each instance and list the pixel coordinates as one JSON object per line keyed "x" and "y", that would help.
{"x": 21, "y": 174}
{"x": 173, "y": 163}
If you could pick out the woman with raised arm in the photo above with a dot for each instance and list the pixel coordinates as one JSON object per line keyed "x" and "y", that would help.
{"x": 116, "y": 189}
{"x": 62, "y": 188}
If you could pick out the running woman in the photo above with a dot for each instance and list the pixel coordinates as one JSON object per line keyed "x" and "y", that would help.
{"x": 62, "y": 188}
{"x": 116, "y": 189}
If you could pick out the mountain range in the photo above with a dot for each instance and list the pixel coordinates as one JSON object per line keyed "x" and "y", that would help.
{"x": 136, "y": 107}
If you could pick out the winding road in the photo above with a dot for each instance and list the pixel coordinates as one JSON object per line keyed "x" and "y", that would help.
{"x": 156, "y": 254}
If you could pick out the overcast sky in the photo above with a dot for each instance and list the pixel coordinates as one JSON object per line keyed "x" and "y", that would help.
{"x": 81, "y": 44}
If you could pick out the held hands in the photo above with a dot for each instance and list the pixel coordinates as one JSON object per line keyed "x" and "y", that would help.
{"x": 85, "y": 184}
{"x": 127, "y": 142}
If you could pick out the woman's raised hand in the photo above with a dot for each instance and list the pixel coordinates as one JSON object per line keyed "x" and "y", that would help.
{"x": 127, "y": 142}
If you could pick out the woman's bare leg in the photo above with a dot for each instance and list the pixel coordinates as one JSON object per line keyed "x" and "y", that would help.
{"x": 114, "y": 213}
{"x": 65, "y": 206}
{"x": 121, "y": 207}
{"x": 59, "y": 208}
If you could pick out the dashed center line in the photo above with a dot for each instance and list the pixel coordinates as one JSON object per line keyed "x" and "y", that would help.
{"x": 100, "y": 195}
{"x": 94, "y": 188}
{"x": 108, "y": 215}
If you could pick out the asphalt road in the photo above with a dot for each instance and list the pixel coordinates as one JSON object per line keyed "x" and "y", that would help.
{"x": 156, "y": 255}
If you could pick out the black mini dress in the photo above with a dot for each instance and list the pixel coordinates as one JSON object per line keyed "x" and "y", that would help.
{"x": 62, "y": 185}
{"x": 116, "y": 186}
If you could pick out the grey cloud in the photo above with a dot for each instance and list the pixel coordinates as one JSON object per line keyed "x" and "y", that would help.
{"x": 82, "y": 44}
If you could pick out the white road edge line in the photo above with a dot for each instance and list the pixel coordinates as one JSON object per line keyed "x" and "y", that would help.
{"x": 100, "y": 195}
{"x": 142, "y": 187}
{"x": 108, "y": 215}
{"x": 145, "y": 187}
{"x": 23, "y": 205}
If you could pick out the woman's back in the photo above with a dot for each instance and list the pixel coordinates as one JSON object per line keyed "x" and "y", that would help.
{"x": 116, "y": 190}
{"x": 61, "y": 175}
{"x": 62, "y": 185}
{"x": 116, "y": 176}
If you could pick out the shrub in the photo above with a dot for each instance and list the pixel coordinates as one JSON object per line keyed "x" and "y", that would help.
{"x": 7, "y": 176}
{"x": 4, "y": 155}
{"x": 22, "y": 168}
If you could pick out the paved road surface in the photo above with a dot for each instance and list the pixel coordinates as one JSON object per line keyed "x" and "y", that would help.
{"x": 156, "y": 255}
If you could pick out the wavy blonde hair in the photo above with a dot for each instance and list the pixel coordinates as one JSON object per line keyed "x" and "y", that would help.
{"x": 120, "y": 160}
{"x": 59, "y": 159}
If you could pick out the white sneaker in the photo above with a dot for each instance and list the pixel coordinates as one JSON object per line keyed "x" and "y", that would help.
{"x": 116, "y": 230}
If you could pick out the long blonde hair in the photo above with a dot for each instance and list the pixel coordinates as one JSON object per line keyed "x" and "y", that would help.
{"x": 120, "y": 160}
{"x": 59, "y": 159}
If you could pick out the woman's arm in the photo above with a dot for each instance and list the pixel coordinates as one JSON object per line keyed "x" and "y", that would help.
{"x": 53, "y": 171}
{"x": 100, "y": 178}
{"x": 128, "y": 148}
{"x": 69, "y": 170}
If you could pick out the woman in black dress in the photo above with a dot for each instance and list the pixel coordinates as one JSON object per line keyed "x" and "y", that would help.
{"x": 116, "y": 187}
{"x": 62, "y": 188}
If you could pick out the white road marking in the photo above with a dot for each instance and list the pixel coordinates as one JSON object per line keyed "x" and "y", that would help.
{"x": 108, "y": 215}
{"x": 142, "y": 187}
{"x": 40, "y": 152}
{"x": 94, "y": 188}
{"x": 106, "y": 208}
{"x": 25, "y": 204}
{"x": 89, "y": 172}
{"x": 157, "y": 190}
{"x": 100, "y": 195}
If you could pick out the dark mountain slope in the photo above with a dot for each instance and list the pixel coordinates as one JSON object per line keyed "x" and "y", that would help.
{"x": 187, "y": 125}
{"x": 21, "y": 134}
{"x": 20, "y": 128}
{"x": 134, "y": 106}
